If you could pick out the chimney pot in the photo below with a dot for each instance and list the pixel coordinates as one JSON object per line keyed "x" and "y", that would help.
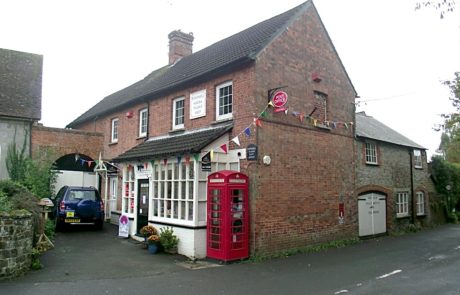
{"x": 180, "y": 45}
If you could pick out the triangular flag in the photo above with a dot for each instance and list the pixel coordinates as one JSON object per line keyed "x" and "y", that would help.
{"x": 179, "y": 159}
{"x": 165, "y": 161}
{"x": 263, "y": 114}
{"x": 196, "y": 157}
{"x": 351, "y": 123}
{"x": 315, "y": 122}
{"x": 212, "y": 154}
{"x": 247, "y": 131}
{"x": 270, "y": 104}
{"x": 301, "y": 117}
{"x": 286, "y": 112}
{"x": 334, "y": 125}
{"x": 82, "y": 162}
{"x": 346, "y": 125}
{"x": 89, "y": 163}
{"x": 224, "y": 147}
{"x": 146, "y": 165}
{"x": 258, "y": 123}
{"x": 236, "y": 140}
{"x": 295, "y": 114}
{"x": 152, "y": 162}
{"x": 187, "y": 160}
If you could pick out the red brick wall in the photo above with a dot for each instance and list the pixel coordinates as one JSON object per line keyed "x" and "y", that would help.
{"x": 295, "y": 200}
{"x": 65, "y": 141}
{"x": 160, "y": 113}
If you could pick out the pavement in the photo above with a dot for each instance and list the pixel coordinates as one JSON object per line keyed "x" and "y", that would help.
{"x": 92, "y": 262}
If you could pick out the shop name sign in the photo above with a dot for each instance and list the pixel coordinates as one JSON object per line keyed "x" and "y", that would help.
{"x": 279, "y": 99}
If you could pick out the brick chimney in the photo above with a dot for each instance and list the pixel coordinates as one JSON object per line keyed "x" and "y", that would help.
{"x": 180, "y": 45}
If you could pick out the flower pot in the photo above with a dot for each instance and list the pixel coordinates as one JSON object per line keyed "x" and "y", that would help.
{"x": 153, "y": 248}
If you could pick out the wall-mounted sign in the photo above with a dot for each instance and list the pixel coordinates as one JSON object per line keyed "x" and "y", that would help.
{"x": 279, "y": 99}
{"x": 198, "y": 104}
{"x": 206, "y": 162}
{"x": 251, "y": 152}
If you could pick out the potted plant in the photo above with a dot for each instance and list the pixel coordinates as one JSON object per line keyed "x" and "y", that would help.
{"x": 154, "y": 243}
{"x": 168, "y": 240}
{"x": 146, "y": 231}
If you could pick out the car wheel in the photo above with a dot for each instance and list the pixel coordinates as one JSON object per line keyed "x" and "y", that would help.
{"x": 58, "y": 225}
{"x": 99, "y": 225}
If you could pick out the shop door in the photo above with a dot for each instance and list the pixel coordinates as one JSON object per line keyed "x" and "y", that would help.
{"x": 372, "y": 214}
{"x": 142, "y": 203}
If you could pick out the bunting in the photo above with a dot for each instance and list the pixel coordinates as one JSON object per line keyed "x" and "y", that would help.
{"x": 224, "y": 147}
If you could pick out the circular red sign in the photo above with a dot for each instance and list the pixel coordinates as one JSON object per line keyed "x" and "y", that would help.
{"x": 279, "y": 99}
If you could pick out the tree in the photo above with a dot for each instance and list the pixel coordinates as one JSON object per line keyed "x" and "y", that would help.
{"x": 450, "y": 139}
{"x": 443, "y": 6}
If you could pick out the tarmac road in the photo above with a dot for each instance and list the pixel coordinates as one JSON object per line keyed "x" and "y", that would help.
{"x": 91, "y": 262}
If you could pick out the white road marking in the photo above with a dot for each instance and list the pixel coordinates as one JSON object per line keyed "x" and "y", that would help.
{"x": 457, "y": 248}
{"x": 340, "y": 292}
{"x": 389, "y": 274}
{"x": 437, "y": 257}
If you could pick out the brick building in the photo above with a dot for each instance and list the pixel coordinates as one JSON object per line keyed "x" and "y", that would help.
{"x": 393, "y": 184}
{"x": 217, "y": 102}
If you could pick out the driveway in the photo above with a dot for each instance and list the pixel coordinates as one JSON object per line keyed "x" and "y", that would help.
{"x": 85, "y": 254}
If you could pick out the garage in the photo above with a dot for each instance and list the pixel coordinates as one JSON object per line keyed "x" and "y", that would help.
{"x": 372, "y": 214}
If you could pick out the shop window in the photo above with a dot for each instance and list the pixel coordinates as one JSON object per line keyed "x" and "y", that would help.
{"x": 128, "y": 190}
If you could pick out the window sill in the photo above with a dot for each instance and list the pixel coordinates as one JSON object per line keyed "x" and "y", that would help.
{"x": 372, "y": 164}
{"x": 141, "y": 137}
{"x": 178, "y": 130}
{"x": 401, "y": 216}
{"x": 113, "y": 143}
{"x": 220, "y": 121}
{"x": 421, "y": 215}
{"x": 418, "y": 167}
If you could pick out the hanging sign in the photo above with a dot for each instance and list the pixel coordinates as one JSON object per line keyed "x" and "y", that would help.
{"x": 251, "y": 152}
{"x": 206, "y": 162}
{"x": 279, "y": 99}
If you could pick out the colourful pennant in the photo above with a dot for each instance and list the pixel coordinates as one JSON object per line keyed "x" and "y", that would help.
{"x": 196, "y": 157}
{"x": 236, "y": 140}
{"x": 179, "y": 159}
{"x": 270, "y": 104}
{"x": 258, "y": 122}
{"x": 187, "y": 160}
{"x": 247, "y": 131}
{"x": 224, "y": 147}
{"x": 165, "y": 161}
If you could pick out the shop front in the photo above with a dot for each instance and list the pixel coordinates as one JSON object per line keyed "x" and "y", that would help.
{"x": 171, "y": 191}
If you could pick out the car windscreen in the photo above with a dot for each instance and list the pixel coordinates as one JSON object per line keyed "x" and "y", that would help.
{"x": 82, "y": 195}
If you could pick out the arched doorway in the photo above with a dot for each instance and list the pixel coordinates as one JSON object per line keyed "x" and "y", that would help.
{"x": 75, "y": 170}
{"x": 372, "y": 214}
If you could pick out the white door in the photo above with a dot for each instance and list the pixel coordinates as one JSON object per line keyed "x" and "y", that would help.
{"x": 372, "y": 214}
{"x": 113, "y": 182}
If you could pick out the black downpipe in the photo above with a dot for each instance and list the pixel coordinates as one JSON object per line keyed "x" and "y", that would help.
{"x": 412, "y": 186}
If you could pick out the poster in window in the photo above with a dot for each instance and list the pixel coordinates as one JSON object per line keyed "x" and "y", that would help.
{"x": 198, "y": 104}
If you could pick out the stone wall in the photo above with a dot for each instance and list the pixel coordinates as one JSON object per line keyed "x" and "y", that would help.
{"x": 16, "y": 238}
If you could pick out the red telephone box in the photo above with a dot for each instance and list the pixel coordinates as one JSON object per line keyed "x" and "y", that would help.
{"x": 227, "y": 233}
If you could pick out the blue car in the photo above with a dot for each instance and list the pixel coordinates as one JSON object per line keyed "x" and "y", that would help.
{"x": 76, "y": 205}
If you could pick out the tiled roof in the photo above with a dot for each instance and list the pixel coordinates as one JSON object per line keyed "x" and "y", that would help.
{"x": 20, "y": 84}
{"x": 369, "y": 127}
{"x": 235, "y": 50}
{"x": 188, "y": 142}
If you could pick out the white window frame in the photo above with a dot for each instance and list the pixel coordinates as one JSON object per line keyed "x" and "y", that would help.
{"x": 114, "y": 130}
{"x": 228, "y": 115}
{"x": 371, "y": 153}
{"x": 420, "y": 203}
{"x": 143, "y": 122}
{"x": 402, "y": 204}
{"x": 176, "y": 114}
{"x": 128, "y": 193}
{"x": 418, "y": 159}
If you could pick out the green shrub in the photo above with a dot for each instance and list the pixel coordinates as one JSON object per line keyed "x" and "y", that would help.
{"x": 49, "y": 229}
{"x": 5, "y": 204}
{"x": 167, "y": 238}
